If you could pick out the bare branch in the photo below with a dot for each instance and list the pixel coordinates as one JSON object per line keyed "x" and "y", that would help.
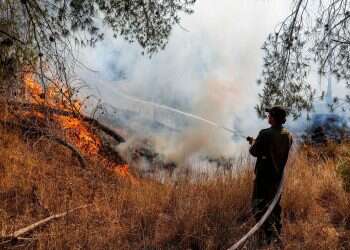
{"x": 15, "y": 236}
{"x": 75, "y": 151}
{"x": 12, "y": 37}
{"x": 46, "y": 109}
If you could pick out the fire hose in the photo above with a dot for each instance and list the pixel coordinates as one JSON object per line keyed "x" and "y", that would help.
{"x": 272, "y": 205}
{"x": 268, "y": 212}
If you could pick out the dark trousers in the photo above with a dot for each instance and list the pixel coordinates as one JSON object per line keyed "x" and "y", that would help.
{"x": 264, "y": 191}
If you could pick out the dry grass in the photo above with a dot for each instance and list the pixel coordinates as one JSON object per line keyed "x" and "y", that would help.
{"x": 43, "y": 179}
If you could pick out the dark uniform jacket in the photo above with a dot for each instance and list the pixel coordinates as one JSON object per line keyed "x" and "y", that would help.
{"x": 271, "y": 148}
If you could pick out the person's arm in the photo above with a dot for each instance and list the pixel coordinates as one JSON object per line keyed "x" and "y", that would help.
{"x": 257, "y": 148}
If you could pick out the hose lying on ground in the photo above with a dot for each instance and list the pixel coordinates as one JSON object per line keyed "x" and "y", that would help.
{"x": 269, "y": 210}
{"x": 257, "y": 226}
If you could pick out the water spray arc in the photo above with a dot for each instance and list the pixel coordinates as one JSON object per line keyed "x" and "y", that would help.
{"x": 189, "y": 115}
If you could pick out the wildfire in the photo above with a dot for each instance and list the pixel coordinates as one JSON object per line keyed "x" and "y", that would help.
{"x": 122, "y": 170}
{"x": 75, "y": 130}
{"x": 32, "y": 86}
{"x": 55, "y": 95}
{"x": 81, "y": 134}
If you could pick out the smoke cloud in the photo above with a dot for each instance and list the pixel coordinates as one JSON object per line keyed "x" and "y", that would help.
{"x": 209, "y": 68}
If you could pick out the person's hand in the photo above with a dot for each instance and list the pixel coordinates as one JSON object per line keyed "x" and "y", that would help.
{"x": 250, "y": 140}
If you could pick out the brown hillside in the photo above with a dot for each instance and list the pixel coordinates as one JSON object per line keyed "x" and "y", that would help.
{"x": 41, "y": 179}
{"x": 53, "y": 160}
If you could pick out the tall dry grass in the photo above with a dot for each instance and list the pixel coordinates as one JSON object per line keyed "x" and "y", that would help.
{"x": 42, "y": 179}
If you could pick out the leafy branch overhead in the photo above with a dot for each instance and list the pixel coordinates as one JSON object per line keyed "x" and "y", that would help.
{"x": 145, "y": 21}
{"x": 314, "y": 37}
{"x": 44, "y": 33}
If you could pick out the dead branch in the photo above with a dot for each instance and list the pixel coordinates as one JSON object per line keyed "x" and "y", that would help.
{"x": 45, "y": 109}
{"x": 23, "y": 106}
{"x": 95, "y": 123}
{"x": 75, "y": 151}
{"x": 16, "y": 236}
{"x": 12, "y": 37}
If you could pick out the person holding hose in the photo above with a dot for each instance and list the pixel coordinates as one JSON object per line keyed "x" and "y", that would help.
{"x": 271, "y": 148}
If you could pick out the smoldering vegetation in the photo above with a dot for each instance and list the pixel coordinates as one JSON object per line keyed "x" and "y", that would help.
{"x": 129, "y": 173}
{"x": 159, "y": 136}
{"x": 188, "y": 196}
{"x": 209, "y": 213}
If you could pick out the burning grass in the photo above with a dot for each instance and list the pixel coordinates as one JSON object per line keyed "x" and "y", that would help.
{"x": 42, "y": 179}
{"x": 57, "y": 114}
{"x": 39, "y": 178}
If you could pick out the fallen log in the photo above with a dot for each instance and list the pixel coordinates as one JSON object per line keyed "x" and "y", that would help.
{"x": 16, "y": 236}
{"x": 73, "y": 149}
{"x": 45, "y": 109}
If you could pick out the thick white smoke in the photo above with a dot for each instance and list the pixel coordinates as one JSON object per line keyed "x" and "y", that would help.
{"x": 210, "y": 70}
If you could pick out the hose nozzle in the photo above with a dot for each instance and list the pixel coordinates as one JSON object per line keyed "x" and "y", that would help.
{"x": 250, "y": 139}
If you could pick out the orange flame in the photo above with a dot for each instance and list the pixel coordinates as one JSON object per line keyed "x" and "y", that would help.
{"x": 54, "y": 94}
{"x": 122, "y": 170}
{"x": 31, "y": 84}
{"x": 76, "y": 131}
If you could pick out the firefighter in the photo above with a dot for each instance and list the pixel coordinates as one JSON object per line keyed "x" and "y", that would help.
{"x": 271, "y": 148}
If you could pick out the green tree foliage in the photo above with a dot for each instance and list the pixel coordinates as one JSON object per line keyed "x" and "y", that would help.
{"x": 48, "y": 30}
{"x": 314, "y": 36}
